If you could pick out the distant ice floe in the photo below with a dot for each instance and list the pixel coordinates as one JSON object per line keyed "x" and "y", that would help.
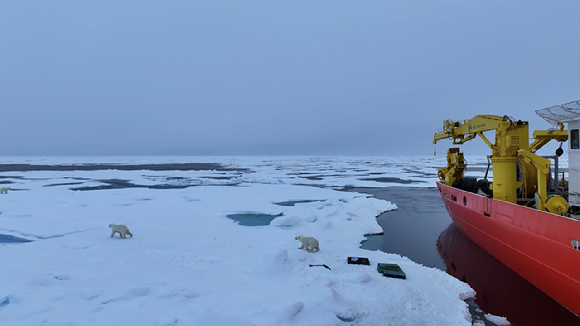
{"x": 334, "y": 172}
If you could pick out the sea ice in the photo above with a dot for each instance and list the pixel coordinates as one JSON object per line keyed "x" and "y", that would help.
{"x": 189, "y": 264}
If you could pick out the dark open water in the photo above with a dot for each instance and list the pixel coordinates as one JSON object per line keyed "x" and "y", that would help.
{"x": 422, "y": 230}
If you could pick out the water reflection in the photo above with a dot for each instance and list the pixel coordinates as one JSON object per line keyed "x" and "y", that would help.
{"x": 500, "y": 291}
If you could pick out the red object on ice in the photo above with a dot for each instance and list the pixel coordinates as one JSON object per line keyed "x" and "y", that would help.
{"x": 322, "y": 265}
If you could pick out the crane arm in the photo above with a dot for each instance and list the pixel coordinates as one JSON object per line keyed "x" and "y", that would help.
{"x": 542, "y": 137}
{"x": 511, "y": 146}
{"x": 463, "y": 131}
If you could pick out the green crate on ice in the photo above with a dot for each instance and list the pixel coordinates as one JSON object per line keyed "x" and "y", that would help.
{"x": 391, "y": 270}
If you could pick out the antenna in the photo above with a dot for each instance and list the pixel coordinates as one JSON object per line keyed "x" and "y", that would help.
{"x": 560, "y": 113}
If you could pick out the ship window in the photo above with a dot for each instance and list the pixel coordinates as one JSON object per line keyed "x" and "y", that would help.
{"x": 576, "y": 244}
{"x": 464, "y": 201}
{"x": 453, "y": 197}
{"x": 575, "y": 139}
{"x": 446, "y": 195}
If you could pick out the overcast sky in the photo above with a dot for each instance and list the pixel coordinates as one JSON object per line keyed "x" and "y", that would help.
{"x": 275, "y": 77}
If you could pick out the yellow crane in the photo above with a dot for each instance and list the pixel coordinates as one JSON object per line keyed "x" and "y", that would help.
{"x": 511, "y": 146}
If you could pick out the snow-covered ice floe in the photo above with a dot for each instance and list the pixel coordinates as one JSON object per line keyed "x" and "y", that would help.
{"x": 188, "y": 264}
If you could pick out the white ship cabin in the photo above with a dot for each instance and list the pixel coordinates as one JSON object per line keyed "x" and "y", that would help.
{"x": 574, "y": 162}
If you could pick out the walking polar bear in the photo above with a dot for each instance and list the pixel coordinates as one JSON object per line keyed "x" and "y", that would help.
{"x": 309, "y": 244}
{"x": 4, "y": 190}
{"x": 123, "y": 230}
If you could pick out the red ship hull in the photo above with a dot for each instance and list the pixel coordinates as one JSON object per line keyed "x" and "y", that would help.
{"x": 537, "y": 245}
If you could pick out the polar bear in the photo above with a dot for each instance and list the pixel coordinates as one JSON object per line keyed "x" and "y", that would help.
{"x": 123, "y": 230}
{"x": 309, "y": 244}
{"x": 4, "y": 190}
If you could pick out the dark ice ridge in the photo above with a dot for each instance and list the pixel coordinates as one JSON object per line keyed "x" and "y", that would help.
{"x": 6, "y": 238}
{"x": 120, "y": 167}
